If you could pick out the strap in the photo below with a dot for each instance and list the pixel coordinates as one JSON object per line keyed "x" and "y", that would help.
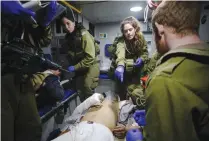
{"x": 195, "y": 57}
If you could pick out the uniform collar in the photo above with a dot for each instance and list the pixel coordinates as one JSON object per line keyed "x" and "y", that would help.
{"x": 199, "y": 50}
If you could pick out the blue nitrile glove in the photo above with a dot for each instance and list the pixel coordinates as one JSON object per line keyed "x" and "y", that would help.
{"x": 15, "y": 8}
{"x": 138, "y": 63}
{"x": 119, "y": 73}
{"x": 50, "y": 13}
{"x": 71, "y": 68}
{"x": 139, "y": 117}
{"x": 134, "y": 135}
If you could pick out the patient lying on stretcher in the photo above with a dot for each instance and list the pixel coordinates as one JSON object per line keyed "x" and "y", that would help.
{"x": 96, "y": 119}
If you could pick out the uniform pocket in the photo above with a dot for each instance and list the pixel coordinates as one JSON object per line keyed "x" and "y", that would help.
{"x": 95, "y": 82}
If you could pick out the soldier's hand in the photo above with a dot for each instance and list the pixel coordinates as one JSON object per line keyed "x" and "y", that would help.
{"x": 139, "y": 117}
{"x": 119, "y": 73}
{"x": 71, "y": 68}
{"x": 138, "y": 63}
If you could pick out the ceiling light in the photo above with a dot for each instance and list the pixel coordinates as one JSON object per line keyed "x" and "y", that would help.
{"x": 136, "y": 9}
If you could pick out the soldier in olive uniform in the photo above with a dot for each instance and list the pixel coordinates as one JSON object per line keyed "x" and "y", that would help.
{"x": 19, "y": 115}
{"x": 137, "y": 95}
{"x": 177, "y": 94}
{"x": 152, "y": 63}
{"x": 50, "y": 90}
{"x": 82, "y": 55}
{"x": 130, "y": 55}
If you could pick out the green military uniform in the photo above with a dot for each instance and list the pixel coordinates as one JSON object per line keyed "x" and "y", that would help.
{"x": 82, "y": 54}
{"x": 19, "y": 116}
{"x": 177, "y": 95}
{"x": 37, "y": 80}
{"x": 152, "y": 63}
{"x": 33, "y": 33}
{"x": 126, "y": 54}
{"x": 112, "y": 48}
{"x": 137, "y": 94}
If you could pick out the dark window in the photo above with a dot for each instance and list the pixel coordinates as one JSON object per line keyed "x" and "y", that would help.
{"x": 91, "y": 29}
{"x": 58, "y": 26}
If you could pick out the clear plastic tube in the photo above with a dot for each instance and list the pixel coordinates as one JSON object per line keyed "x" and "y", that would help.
{"x": 146, "y": 10}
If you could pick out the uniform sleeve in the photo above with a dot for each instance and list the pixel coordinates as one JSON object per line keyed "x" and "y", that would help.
{"x": 144, "y": 53}
{"x": 42, "y": 35}
{"x": 120, "y": 53}
{"x": 152, "y": 62}
{"x": 54, "y": 88}
{"x": 111, "y": 50}
{"x": 89, "y": 49}
{"x": 168, "y": 110}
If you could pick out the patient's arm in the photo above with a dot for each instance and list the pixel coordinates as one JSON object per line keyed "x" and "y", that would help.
{"x": 95, "y": 99}
{"x": 106, "y": 114}
{"x": 120, "y": 130}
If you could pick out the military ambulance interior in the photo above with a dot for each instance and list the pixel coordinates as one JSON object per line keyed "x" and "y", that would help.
{"x": 102, "y": 20}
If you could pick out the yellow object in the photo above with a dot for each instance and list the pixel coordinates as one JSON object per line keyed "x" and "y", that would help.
{"x": 70, "y": 6}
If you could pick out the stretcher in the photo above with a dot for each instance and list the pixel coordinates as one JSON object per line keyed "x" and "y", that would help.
{"x": 70, "y": 95}
{"x": 49, "y": 111}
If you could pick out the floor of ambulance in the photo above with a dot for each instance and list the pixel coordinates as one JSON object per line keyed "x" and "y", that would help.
{"x": 50, "y": 125}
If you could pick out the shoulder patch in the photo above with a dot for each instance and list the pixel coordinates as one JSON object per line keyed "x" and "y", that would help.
{"x": 83, "y": 33}
{"x": 167, "y": 68}
{"x": 120, "y": 39}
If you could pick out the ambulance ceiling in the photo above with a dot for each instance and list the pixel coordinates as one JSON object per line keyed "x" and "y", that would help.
{"x": 109, "y": 11}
